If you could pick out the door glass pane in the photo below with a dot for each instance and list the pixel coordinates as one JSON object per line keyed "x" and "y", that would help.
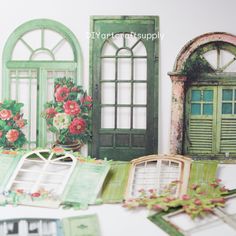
{"x": 227, "y": 95}
{"x": 140, "y": 69}
{"x": 207, "y": 109}
{"x": 124, "y": 69}
{"x": 12, "y": 228}
{"x": 108, "y": 69}
{"x": 208, "y": 95}
{"x": 140, "y": 93}
{"x": 196, "y": 95}
{"x": 196, "y": 109}
{"x": 123, "y": 117}
{"x": 139, "y": 118}
{"x": 227, "y": 108}
{"x": 124, "y": 93}
{"x": 108, "y": 117}
{"x": 108, "y": 93}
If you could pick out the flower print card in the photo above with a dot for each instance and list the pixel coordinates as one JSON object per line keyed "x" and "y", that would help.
{"x": 85, "y": 183}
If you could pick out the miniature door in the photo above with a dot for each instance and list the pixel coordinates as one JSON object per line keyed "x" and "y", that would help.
{"x": 124, "y": 81}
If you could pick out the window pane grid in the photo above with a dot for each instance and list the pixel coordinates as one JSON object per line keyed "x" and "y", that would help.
{"x": 28, "y": 78}
{"x": 228, "y": 101}
{"x": 202, "y": 102}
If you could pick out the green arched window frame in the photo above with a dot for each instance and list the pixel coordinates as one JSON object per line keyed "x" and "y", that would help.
{"x": 38, "y": 69}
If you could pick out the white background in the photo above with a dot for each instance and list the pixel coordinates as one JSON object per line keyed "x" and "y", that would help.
{"x": 180, "y": 21}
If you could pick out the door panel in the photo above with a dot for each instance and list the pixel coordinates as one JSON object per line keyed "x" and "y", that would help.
{"x": 124, "y": 78}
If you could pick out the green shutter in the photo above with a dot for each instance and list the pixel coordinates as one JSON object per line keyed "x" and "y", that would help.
{"x": 202, "y": 172}
{"x": 227, "y": 118}
{"x": 8, "y": 164}
{"x": 85, "y": 183}
{"x": 200, "y": 113}
{"x": 116, "y": 182}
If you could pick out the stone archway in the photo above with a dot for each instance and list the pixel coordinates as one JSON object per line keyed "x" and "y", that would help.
{"x": 178, "y": 84}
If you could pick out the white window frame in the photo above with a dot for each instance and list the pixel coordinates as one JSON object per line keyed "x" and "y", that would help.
{"x": 184, "y": 170}
{"x": 52, "y": 159}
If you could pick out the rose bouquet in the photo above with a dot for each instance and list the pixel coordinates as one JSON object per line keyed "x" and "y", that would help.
{"x": 11, "y": 123}
{"x": 68, "y": 115}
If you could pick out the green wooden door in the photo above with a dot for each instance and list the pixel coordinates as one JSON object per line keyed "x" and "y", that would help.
{"x": 210, "y": 121}
{"x": 124, "y": 77}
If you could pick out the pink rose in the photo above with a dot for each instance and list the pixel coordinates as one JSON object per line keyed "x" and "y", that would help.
{"x": 50, "y": 112}
{"x": 71, "y": 108}
{"x": 77, "y": 126}
{"x": 20, "y": 123}
{"x": 87, "y": 101}
{"x": 5, "y": 114}
{"x": 61, "y": 94}
{"x": 12, "y": 135}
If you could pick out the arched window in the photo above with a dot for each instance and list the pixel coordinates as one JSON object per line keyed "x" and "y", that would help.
{"x": 35, "y": 54}
{"x": 210, "y": 114}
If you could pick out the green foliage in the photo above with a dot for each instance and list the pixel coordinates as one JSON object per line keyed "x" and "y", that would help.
{"x": 202, "y": 200}
{"x": 11, "y": 123}
{"x": 196, "y": 65}
{"x": 68, "y": 114}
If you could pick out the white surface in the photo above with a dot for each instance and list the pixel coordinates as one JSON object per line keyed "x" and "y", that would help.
{"x": 114, "y": 219}
{"x": 180, "y": 21}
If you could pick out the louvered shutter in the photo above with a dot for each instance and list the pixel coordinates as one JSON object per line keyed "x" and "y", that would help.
{"x": 228, "y": 120}
{"x": 200, "y": 120}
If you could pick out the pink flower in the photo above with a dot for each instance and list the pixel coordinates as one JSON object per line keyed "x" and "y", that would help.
{"x": 185, "y": 197}
{"x": 12, "y": 135}
{"x": 50, "y": 112}
{"x": 87, "y": 101}
{"x": 20, "y": 123}
{"x": 5, "y": 114}
{"x": 218, "y": 200}
{"x": 1, "y": 133}
{"x": 197, "y": 202}
{"x": 71, "y": 108}
{"x": 77, "y": 126}
{"x": 16, "y": 117}
{"x": 37, "y": 194}
{"x": 61, "y": 94}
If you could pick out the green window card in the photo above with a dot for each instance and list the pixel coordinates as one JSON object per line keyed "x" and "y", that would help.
{"x": 8, "y": 164}
{"x": 116, "y": 182}
{"x": 81, "y": 226}
{"x": 85, "y": 183}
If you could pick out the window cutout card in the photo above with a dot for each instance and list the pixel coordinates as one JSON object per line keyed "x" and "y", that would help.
{"x": 221, "y": 222}
{"x": 116, "y": 182}
{"x": 85, "y": 183}
{"x": 40, "y": 178}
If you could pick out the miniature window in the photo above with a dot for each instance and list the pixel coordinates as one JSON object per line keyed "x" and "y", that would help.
{"x": 42, "y": 170}
{"x": 157, "y": 172}
{"x": 124, "y": 72}
{"x": 210, "y": 112}
{"x": 31, "y": 227}
{"x": 35, "y": 54}
{"x": 221, "y": 222}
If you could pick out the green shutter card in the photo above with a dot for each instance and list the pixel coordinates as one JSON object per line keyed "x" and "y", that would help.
{"x": 116, "y": 182}
{"x": 85, "y": 183}
{"x": 81, "y": 226}
{"x": 8, "y": 164}
{"x": 202, "y": 172}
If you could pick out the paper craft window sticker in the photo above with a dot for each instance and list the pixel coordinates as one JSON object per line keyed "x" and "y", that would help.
{"x": 25, "y": 227}
{"x": 41, "y": 171}
{"x": 221, "y": 222}
{"x": 158, "y": 172}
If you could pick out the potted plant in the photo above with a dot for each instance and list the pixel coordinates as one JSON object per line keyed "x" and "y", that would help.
{"x": 11, "y": 124}
{"x": 68, "y": 116}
